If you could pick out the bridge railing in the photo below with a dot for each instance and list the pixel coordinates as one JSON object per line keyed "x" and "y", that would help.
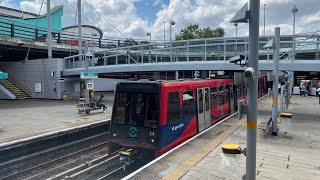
{"x": 211, "y": 49}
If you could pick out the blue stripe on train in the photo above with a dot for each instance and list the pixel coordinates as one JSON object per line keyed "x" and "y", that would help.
{"x": 169, "y": 133}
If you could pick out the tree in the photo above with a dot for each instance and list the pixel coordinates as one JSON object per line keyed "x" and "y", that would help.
{"x": 189, "y": 32}
{"x": 144, "y": 42}
{"x": 192, "y": 31}
{"x": 129, "y": 42}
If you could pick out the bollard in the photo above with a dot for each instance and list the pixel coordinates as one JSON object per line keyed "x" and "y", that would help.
{"x": 269, "y": 92}
{"x": 281, "y": 100}
{"x": 242, "y": 109}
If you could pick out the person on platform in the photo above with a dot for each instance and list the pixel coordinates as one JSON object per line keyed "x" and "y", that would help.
{"x": 100, "y": 104}
{"x": 303, "y": 89}
{"x": 318, "y": 93}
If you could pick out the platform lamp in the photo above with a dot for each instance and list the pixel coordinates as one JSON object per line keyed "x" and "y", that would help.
{"x": 149, "y": 34}
{"x": 236, "y": 48}
{"x": 172, "y": 23}
{"x": 294, "y": 10}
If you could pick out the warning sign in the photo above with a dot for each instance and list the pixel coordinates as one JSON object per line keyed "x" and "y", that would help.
{"x": 90, "y": 86}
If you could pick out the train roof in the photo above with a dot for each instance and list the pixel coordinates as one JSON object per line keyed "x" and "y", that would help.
{"x": 179, "y": 82}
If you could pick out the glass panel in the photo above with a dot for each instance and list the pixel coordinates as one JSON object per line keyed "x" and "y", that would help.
{"x": 188, "y": 104}
{"x": 221, "y": 96}
{"x": 119, "y": 117}
{"x": 173, "y": 108}
{"x": 214, "y": 98}
{"x": 200, "y": 101}
{"x": 137, "y": 109}
{"x": 227, "y": 94}
{"x": 207, "y": 99}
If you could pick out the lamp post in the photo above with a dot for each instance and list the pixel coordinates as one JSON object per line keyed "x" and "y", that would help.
{"x": 79, "y": 28}
{"x": 236, "y": 25}
{"x": 264, "y": 19}
{"x": 149, "y": 34}
{"x": 164, "y": 31}
{"x": 236, "y": 48}
{"x": 92, "y": 42}
{"x": 294, "y": 10}
{"x": 172, "y": 23}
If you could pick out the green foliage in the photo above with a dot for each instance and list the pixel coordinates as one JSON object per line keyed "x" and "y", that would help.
{"x": 129, "y": 42}
{"x": 192, "y": 31}
{"x": 144, "y": 42}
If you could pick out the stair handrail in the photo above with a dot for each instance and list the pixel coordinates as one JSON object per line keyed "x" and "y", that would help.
{"x": 20, "y": 83}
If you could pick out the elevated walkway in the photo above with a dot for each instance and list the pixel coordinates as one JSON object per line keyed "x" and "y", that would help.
{"x": 293, "y": 154}
{"x": 199, "y": 54}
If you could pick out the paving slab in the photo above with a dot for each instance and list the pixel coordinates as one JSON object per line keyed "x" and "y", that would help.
{"x": 293, "y": 154}
{"x": 21, "y": 119}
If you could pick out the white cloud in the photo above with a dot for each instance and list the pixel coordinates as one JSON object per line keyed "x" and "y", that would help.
{"x": 124, "y": 15}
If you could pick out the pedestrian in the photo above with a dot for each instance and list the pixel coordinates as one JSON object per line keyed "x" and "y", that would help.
{"x": 100, "y": 104}
{"x": 318, "y": 93}
{"x": 302, "y": 88}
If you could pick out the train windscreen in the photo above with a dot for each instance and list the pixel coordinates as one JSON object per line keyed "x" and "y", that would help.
{"x": 137, "y": 109}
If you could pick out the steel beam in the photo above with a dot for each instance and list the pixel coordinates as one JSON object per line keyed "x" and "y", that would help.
{"x": 252, "y": 90}
{"x": 275, "y": 80}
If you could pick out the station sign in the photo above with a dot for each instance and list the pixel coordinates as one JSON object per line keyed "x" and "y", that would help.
{"x": 3, "y": 75}
{"x": 89, "y": 75}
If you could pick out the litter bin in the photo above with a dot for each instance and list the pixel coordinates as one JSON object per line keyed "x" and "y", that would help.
{"x": 65, "y": 95}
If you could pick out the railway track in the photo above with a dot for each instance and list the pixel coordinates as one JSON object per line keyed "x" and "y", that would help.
{"x": 46, "y": 157}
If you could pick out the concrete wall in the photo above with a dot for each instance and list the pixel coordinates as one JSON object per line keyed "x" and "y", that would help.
{"x": 44, "y": 71}
{"x": 106, "y": 84}
{"x": 100, "y": 85}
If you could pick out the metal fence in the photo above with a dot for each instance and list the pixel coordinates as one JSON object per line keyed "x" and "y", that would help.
{"x": 210, "y": 49}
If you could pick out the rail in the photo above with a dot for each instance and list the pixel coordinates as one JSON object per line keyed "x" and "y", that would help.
{"x": 17, "y": 29}
{"x": 209, "y": 49}
{"x": 19, "y": 83}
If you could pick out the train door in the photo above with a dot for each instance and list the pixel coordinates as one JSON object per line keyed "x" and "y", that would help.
{"x": 231, "y": 100}
{"x": 203, "y": 108}
{"x": 207, "y": 115}
{"x": 259, "y": 88}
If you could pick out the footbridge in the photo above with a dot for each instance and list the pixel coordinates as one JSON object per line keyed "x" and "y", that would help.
{"x": 199, "y": 54}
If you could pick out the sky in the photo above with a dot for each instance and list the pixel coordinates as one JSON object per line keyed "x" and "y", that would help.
{"x": 134, "y": 18}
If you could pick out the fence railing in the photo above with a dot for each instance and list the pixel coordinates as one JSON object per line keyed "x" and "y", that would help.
{"x": 211, "y": 49}
{"x": 12, "y": 28}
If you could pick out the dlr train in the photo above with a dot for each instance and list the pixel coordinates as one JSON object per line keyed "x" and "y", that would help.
{"x": 156, "y": 116}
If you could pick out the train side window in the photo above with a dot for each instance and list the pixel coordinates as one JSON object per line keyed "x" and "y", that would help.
{"x": 200, "y": 101}
{"x": 188, "y": 104}
{"x": 227, "y": 91}
{"x": 221, "y": 96}
{"x": 214, "y": 97}
{"x": 173, "y": 108}
{"x": 206, "y": 92}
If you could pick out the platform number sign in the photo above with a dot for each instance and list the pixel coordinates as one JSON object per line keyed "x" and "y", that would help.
{"x": 133, "y": 132}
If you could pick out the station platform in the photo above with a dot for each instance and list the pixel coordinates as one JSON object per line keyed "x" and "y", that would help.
{"x": 22, "y": 119}
{"x": 293, "y": 154}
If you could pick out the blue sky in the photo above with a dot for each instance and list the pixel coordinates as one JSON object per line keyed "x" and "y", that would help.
{"x": 147, "y": 10}
{"x": 134, "y": 18}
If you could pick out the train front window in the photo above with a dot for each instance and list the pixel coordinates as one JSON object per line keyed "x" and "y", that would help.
{"x": 136, "y": 109}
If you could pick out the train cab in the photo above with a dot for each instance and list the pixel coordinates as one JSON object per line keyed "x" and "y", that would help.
{"x": 135, "y": 116}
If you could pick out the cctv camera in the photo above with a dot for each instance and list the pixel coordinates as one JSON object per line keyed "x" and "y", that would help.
{"x": 236, "y": 59}
{"x": 249, "y": 73}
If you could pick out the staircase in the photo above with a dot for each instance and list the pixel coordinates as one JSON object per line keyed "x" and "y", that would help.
{"x": 20, "y": 94}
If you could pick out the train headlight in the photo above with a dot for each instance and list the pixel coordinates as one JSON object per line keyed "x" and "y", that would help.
{"x": 115, "y": 135}
{"x": 152, "y": 140}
